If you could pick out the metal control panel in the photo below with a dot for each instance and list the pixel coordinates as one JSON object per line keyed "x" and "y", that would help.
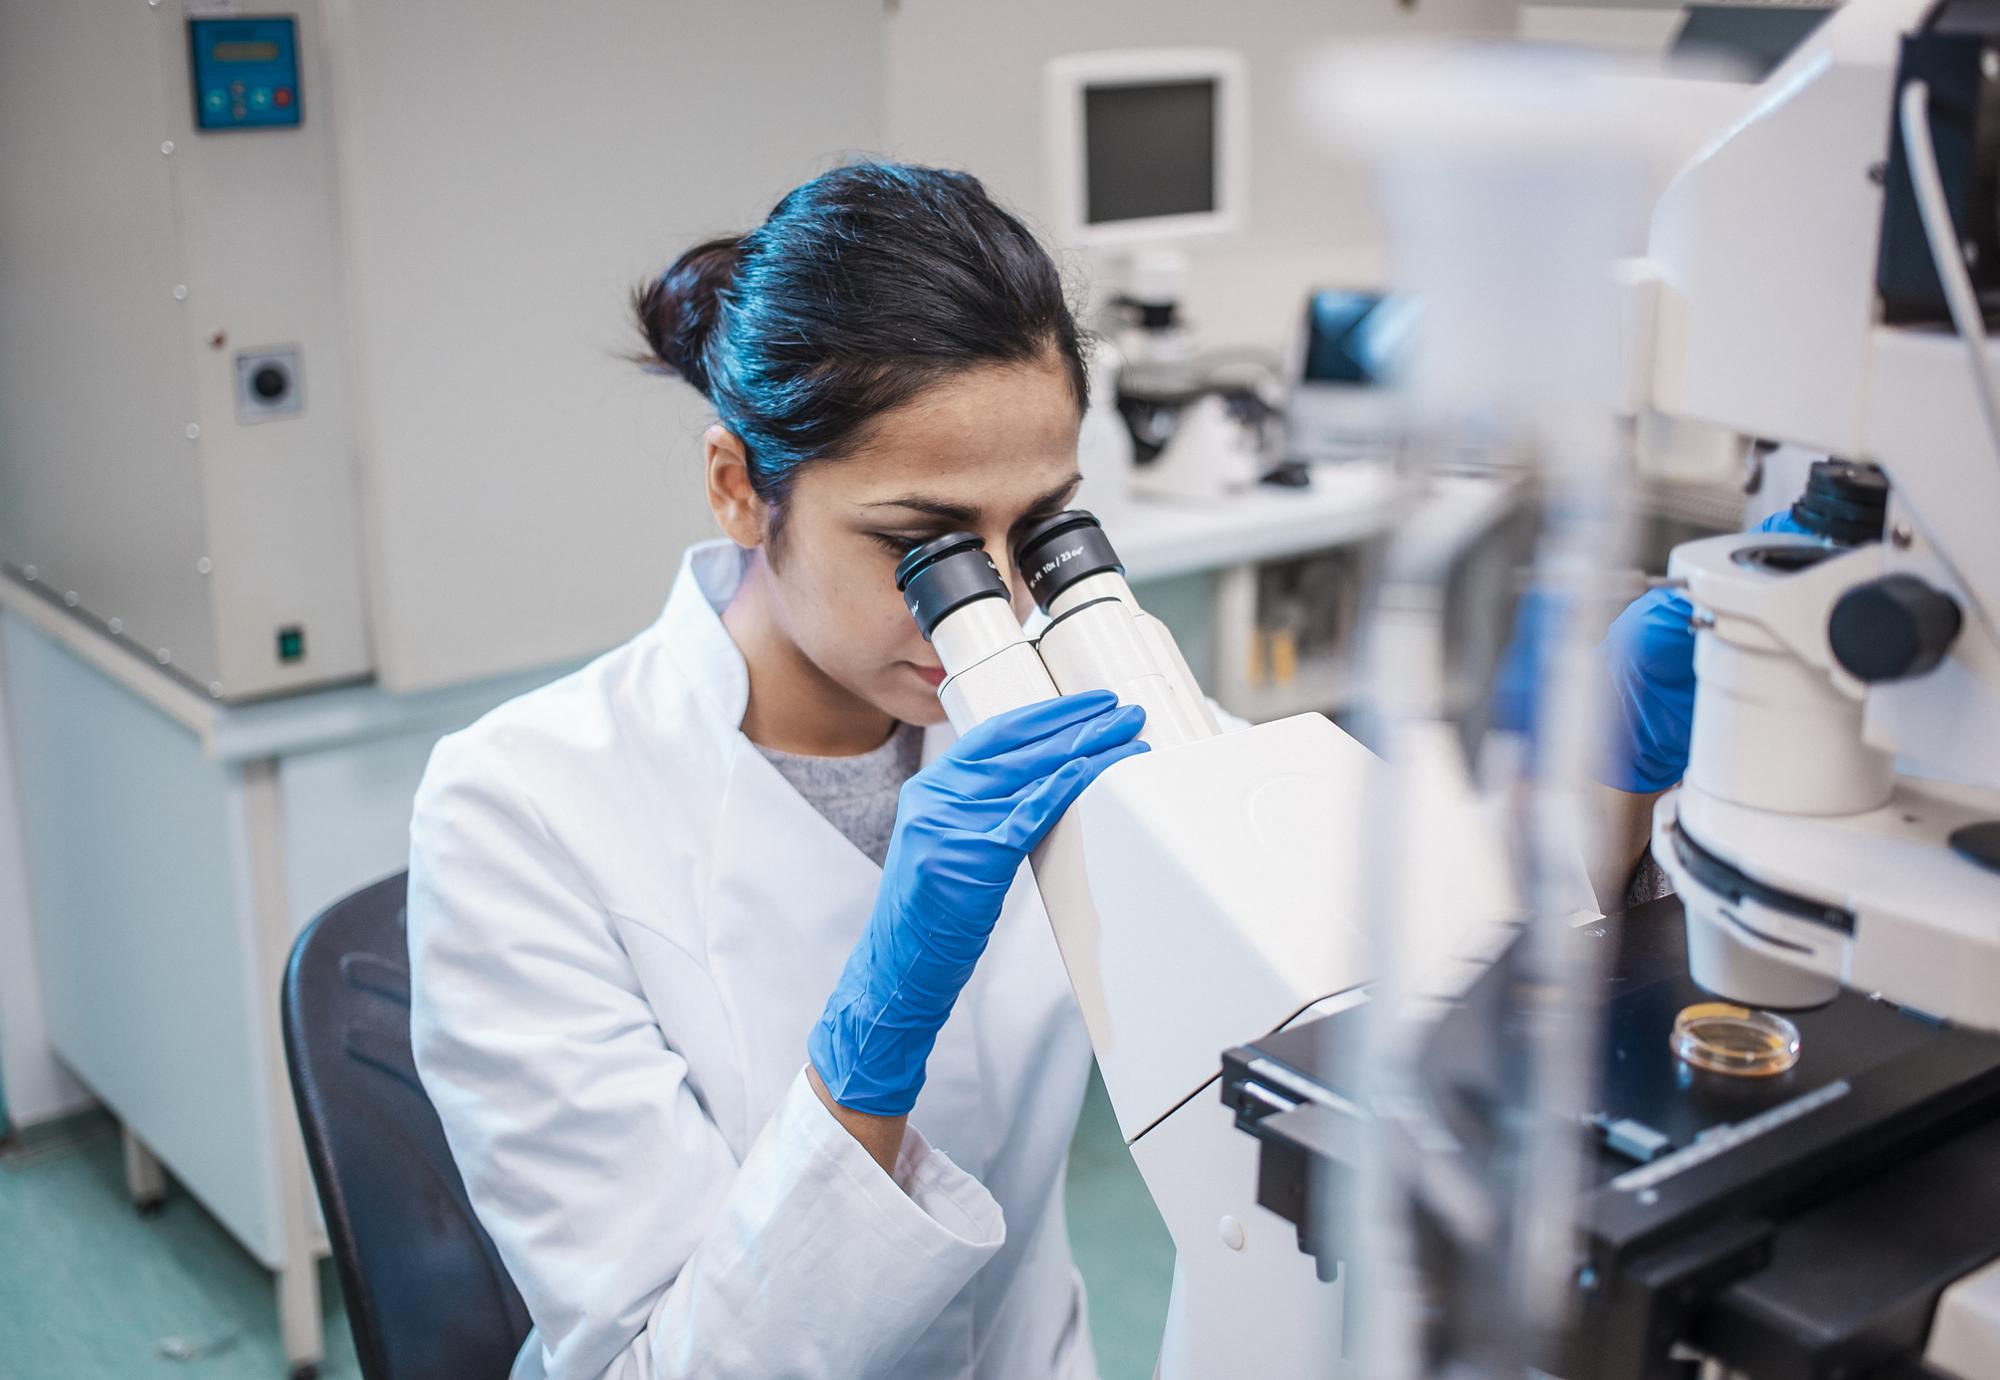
{"x": 245, "y": 72}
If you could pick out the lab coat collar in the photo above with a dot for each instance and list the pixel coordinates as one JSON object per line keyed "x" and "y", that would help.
{"x": 690, "y": 629}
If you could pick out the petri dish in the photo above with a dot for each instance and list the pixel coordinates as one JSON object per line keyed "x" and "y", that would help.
{"x": 1734, "y": 1040}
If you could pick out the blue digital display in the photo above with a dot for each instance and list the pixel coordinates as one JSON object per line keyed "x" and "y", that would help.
{"x": 1355, "y": 337}
{"x": 245, "y": 72}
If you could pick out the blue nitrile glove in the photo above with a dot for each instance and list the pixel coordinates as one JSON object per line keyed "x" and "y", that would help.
{"x": 1517, "y": 680}
{"x": 1648, "y": 656}
{"x": 963, "y": 826}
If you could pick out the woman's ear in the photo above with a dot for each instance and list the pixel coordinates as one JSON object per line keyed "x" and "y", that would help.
{"x": 731, "y": 497}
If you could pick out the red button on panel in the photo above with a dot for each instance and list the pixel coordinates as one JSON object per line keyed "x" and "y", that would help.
{"x": 284, "y": 96}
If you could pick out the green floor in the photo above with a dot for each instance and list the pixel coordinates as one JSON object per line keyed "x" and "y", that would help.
{"x": 1121, "y": 1245}
{"x": 88, "y": 1290}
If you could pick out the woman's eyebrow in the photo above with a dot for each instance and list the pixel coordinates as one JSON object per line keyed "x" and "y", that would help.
{"x": 1059, "y": 492}
{"x": 936, "y": 507}
{"x": 959, "y": 512}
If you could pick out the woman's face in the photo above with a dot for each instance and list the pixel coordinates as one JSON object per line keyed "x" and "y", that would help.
{"x": 986, "y": 452}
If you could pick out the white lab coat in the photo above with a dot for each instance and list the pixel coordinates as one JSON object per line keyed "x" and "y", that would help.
{"x": 623, "y": 922}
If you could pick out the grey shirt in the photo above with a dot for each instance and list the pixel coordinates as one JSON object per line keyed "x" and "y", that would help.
{"x": 856, "y": 795}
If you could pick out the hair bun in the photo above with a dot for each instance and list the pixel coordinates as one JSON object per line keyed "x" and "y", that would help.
{"x": 677, "y": 310}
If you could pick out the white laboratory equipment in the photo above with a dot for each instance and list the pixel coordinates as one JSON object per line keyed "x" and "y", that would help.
{"x": 1200, "y": 892}
{"x": 1147, "y": 151}
{"x": 1147, "y": 145}
{"x": 1838, "y": 830}
{"x": 1839, "y": 819}
{"x": 1104, "y": 454}
{"x": 366, "y": 411}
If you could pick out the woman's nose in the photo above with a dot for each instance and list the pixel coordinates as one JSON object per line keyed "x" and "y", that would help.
{"x": 1017, "y": 588}
{"x": 1005, "y": 565}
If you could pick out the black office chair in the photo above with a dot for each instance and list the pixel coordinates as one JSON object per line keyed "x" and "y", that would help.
{"x": 427, "y": 1296}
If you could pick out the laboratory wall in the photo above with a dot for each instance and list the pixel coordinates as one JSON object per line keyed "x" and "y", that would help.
{"x": 965, "y": 88}
{"x": 527, "y": 491}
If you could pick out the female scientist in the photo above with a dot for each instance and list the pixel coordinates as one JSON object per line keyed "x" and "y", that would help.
{"x": 703, "y": 934}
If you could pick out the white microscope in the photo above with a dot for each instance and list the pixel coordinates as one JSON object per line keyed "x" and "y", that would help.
{"x": 1189, "y": 890}
{"x": 1203, "y": 894}
{"x": 1840, "y": 819}
{"x": 1820, "y": 274}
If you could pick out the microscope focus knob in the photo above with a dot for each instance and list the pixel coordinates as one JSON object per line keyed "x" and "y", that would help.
{"x": 1892, "y": 627}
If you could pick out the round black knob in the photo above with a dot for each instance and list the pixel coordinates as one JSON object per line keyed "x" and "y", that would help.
{"x": 270, "y": 382}
{"x": 1893, "y": 627}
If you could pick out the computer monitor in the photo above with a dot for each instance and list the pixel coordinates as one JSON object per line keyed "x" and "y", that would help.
{"x": 1348, "y": 348}
{"x": 1147, "y": 145}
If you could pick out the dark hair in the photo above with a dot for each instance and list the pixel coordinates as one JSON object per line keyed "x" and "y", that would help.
{"x": 862, "y": 288}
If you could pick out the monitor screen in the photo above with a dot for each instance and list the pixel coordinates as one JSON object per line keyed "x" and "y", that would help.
{"x": 1149, "y": 150}
{"x": 1354, "y": 337}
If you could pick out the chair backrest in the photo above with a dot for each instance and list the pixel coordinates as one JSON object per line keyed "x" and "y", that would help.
{"x": 427, "y": 1296}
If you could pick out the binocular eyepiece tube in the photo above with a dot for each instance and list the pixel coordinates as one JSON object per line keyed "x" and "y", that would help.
{"x": 1098, "y": 637}
{"x": 1068, "y": 563}
{"x": 954, "y": 591}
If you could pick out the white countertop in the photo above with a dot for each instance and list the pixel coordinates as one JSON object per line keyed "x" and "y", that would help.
{"x": 1159, "y": 538}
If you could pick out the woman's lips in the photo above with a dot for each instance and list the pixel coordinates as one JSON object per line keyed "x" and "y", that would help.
{"x": 933, "y": 674}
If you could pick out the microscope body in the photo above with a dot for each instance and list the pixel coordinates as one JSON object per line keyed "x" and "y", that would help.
{"x": 1805, "y": 860}
{"x": 1203, "y": 894}
{"x": 1198, "y": 892}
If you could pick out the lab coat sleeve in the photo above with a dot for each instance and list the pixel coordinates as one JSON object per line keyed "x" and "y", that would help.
{"x": 642, "y": 1249}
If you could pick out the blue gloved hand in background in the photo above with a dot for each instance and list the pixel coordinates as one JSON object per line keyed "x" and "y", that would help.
{"x": 1648, "y": 655}
{"x": 963, "y": 826}
{"x": 1524, "y": 665}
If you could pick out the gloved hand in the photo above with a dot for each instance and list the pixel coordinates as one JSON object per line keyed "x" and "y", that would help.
{"x": 1524, "y": 664}
{"x": 963, "y": 826}
{"x": 1648, "y": 656}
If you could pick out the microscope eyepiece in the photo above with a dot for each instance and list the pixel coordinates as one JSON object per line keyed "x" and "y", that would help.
{"x": 944, "y": 574}
{"x": 1056, "y": 552}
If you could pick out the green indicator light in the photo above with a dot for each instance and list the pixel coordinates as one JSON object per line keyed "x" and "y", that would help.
{"x": 291, "y": 644}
